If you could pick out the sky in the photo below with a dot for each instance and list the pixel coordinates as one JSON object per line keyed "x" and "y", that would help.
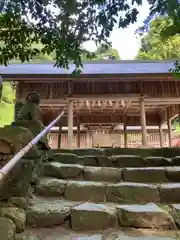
{"x": 125, "y": 40}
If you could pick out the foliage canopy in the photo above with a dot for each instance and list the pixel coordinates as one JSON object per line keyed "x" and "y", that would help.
{"x": 60, "y": 26}
{"x": 170, "y": 9}
{"x": 154, "y": 47}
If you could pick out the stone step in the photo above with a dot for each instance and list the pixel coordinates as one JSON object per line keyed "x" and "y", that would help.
{"x": 88, "y": 173}
{"x": 168, "y": 152}
{"x": 124, "y": 192}
{"x": 120, "y": 161}
{"x": 62, "y": 233}
{"x": 92, "y": 216}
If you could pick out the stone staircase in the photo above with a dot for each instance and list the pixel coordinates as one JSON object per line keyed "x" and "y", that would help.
{"x": 94, "y": 190}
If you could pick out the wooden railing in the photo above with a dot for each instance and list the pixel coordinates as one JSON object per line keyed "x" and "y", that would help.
{"x": 94, "y": 139}
{"x": 10, "y": 165}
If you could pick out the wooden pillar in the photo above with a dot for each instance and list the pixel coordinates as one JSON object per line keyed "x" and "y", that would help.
{"x": 70, "y": 124}
{"x": 169, "y": 131}
{"x": 59, "y": 136}
{"x": 161, "y": 136}
{"x": 125, "y": 132}
{"x": 78, "y": 134}
{"x": 143, "y": 122}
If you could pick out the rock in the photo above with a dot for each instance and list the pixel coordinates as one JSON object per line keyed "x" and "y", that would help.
{"x": 67, "y": 158}
{"x": 128, "y": 161}
{"x": 7, "y": 229}
{"x": 51, "y": 187}
{"x": 176, "y": 213}
{"x": 90, "y": 216}
{"x": 173, "y": 174}
{"x": 6, "y": 147}
{"x": 17, "y": 215}
{"x": 85, "y": 191}
{"x": 20, "y": 177}
{"x": 132, "y": 193}
{"x": 18, "y": 180}
{"x": 90, "y": 160}
{"x": 145, "y": 175}
{"x": 35, "y": 127}
{"x": 19, "y": 202}
{"x": 169, "y": 193}
{"x": 144, "y": 216}
{"x": 102, "y": 174}
{"x": 65, "y": 171}
{"x": 157, "y": 161}
{"x": 47, "y": 214}
{"x": 175, "y": 161}
{"x": 18, "y": 137}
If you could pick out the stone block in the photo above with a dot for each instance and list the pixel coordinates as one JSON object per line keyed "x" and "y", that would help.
{"x": 85, "y": 191}
{"x": 67, "y": 158}
{"x": 17, "y": 215}
{"x": 7, "y": 229}
{"x": 104, "y": 161}
{"x": 18, "y": 180}
{"x": 167, "y": 152}
{"x": 51, "y": 187}
{"x": 145, "y": 175}
{"x": 130, "y": 193}
{"x": 127, "y": 161}
{"x": 47, "y": 214}
{"x": 90, "y": 216}
{"x": 173, "y": 174}
{"x": 64, "y": 171}
{"x": 157, "y": 161}
{"x": 14, "y": 138}
{"x": 169, "y": 193}
{"x": 175, "y": 161}
{"x": 19, "y": 202}
{"x": 144, "y": 216}
{"x": 90, "y": 160}
{"x": 176, "y": 213}
{"x": 102, "y": 174}
{"x": 88, "y": 151}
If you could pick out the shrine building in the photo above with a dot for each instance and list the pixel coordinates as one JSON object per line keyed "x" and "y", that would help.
{"x": 132, "y": 96}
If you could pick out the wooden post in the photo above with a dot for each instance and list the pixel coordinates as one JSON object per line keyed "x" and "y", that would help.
{"x": 161, "y": 136}
{"x": 70, "y": 124}
{"x": 169, "y": 131}
{"x": 59, "y": 136}
{"x": 125, "y": 132}
{"x": 78, "y": 134}
{"x": 143, "y": 121}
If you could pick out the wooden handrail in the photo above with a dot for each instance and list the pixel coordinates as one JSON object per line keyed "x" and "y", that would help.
{"x": 9, "y": 166}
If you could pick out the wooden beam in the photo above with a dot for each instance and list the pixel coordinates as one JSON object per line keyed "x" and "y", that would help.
{"x": 169, "y": 128}
{"x": 143, "y": 122}
{"x": 70, "y": 124}
{"x": 106, "y": 97}
{"x": 88, "y": 77}
{"x": 125, "y": 132}
{"x": 59, "y": 136}
{"x": 78, "y": 133}
{"x": 161, "y": 135}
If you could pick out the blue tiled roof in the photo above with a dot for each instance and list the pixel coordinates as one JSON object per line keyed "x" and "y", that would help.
{"x": 101, "y": 67}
